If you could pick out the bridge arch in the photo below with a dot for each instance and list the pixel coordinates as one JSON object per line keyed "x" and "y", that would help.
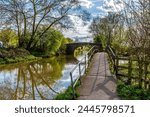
{"x": 72, "y": 46}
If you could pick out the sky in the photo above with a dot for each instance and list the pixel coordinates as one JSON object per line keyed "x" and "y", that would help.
{"x": 95, "y": 8}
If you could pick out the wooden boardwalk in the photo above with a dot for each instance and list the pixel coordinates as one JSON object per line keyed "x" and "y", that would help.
{"x": 99, "y": 83}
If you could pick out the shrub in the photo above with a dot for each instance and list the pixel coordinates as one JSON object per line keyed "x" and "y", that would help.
{"x": 132, "y": 92}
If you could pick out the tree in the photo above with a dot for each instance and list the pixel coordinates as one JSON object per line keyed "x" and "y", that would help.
{"x": 62, "y": 48}
{"x": 50, "y": 41}
{"x": 28, "y": 15}
{"x": 8, "y": 37}
{"x": 104, "y": 27}
{"x": 100, "y": 39}
{"x": 137, "y": 17}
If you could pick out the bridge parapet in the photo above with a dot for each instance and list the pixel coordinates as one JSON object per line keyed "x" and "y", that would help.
{"x": 72, "y": 46}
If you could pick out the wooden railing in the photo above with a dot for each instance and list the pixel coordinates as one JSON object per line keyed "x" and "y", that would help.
{"x": 127, "y": 69}
{"x": 84, "y": 62}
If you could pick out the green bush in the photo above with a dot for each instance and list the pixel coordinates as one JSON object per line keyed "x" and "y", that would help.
{"x": 10, "y": 60}
{"x": 2, "y": 61}
{"x": 100, "y": 39}
{"x": 68, "y": 95}
{"x": 132, "y": 92}
{"x": 30, "y": 57}
{"x": 15, "y": 55}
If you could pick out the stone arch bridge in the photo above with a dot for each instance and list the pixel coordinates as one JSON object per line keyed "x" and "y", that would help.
{"x": 72, "y": 46}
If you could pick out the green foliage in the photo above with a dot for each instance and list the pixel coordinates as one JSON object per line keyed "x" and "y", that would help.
{"x": 100, "y": 39}
{"x": 2, "y": 61}
{"x": 67, "y": 95}
{"x": 81, "y": 51}
{"x": 132, "y": 92}
{"x": 120, "y": 41}
{"x": 119, "y": 48}
{"x": 8, "y": 37}
{"x": 15, "y": 55}
{"x": 12, "y": 53}
{"x": 17, "y": 59}
{"x": 62, "y": 48}
{"x": 50, "y": 42}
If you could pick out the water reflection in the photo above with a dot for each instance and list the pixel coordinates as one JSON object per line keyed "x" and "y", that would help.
{"x": 36, "y": 80}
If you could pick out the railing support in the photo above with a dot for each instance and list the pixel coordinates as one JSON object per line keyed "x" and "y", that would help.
{"x": 129, "y": 71}
{"x": 73, "y": 90}
{"x": 85, "y": 63}
{"x": 80, "y": 72}
{"x": 84, "y": 60}
{"x": 116, "y": 65}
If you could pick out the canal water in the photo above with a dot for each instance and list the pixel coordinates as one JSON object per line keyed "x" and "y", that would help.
{"x": 42, "y": 79}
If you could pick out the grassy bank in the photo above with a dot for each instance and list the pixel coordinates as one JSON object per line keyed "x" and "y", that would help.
{"x": 67, "y": 94}
{"x": 15, "y": 55}
{"x": 132, "y": 92}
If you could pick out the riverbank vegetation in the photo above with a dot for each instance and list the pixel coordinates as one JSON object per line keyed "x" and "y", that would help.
{"x": 52, "y": 43}
{"x": 127, "y": 32}
{"x": 68, "y": 94}
{"x": 15, "y": 55}
{"x": 132, "y": 92}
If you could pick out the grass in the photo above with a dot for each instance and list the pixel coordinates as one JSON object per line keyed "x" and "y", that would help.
{"x": 14, "y": 55}
{"x": 132, "y": 92}
{"x": 17, "y": 59}
{"x": 67, "y": 94}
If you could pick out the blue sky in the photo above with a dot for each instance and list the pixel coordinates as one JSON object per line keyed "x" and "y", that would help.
{"x": 95, "y": 8}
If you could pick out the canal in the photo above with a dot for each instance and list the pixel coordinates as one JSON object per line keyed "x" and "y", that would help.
{"x": 42, "y": 79}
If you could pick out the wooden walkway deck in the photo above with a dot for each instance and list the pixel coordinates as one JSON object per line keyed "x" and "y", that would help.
{"x": 99, "y": 83}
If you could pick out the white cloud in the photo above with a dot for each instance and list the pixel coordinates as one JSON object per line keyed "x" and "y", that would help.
{"x": 86, "y": 3}
{"x": 96, "y": 8}
{"x": 114, "y": 5}
{"x": 111, "y": 6}
{"x": 80, "y": 29}
{"x": 100, "y": 8}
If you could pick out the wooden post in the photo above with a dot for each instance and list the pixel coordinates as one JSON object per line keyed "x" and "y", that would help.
{"x": 129, "y": 71}
{"x": 80, "y": 72}
{"x": 116, "y": 65}
{"x": 88, "y": 57}
{"x": 140, "y": 73}
{"x": 85, "y": 63}
{"x": 149, "y": 85}
{"x": 73, "y": 91}
{"x": 145, "y": 74}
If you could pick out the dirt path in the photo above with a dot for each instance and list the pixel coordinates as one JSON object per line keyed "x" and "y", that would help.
{"x": 99, "y": 83}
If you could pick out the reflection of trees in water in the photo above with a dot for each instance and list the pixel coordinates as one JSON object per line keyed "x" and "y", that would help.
{"x": 6, "y": 92}
{"x": 32, "y": 80}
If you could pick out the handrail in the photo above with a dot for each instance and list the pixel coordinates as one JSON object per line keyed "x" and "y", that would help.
{"x": 112, "y": 52}
{"x": 87, "y": 57}
{"x": 142, "y": 78}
